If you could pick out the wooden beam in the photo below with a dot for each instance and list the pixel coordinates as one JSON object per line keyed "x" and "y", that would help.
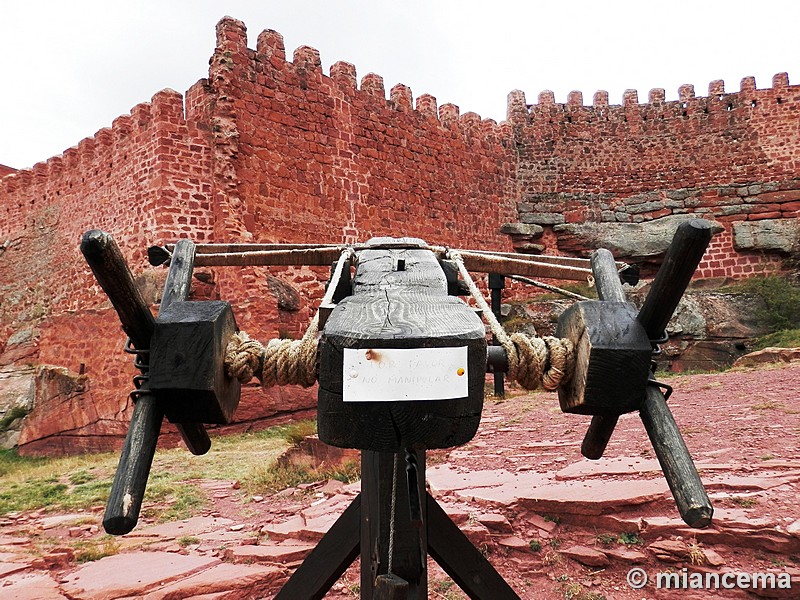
{"x": 177, "y": 288}
{"x": 462, "y": 561}
{"x": 130, "y": 480}
{"x": 322, "y": 256}
{"x": 336, "y": 551}
{"x": 608, "y": 287}
{"x": 487, "y": 263}
{"x": 399, "y": 303}
{"x": 410, "y": 542}
{"x": 569, "y": 261}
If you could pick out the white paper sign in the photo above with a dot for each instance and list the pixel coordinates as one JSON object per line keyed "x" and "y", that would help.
{"x": 390, "y": 374}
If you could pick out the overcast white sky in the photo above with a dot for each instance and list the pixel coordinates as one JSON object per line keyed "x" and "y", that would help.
{"x": 70, "y": 67}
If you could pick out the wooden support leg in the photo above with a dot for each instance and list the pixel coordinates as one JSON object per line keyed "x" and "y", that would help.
{"x": 496, "y": 285}
{"x": 335, "y": 552}
{"x": 462, "y": 561}
{"x": 410, "y": 542}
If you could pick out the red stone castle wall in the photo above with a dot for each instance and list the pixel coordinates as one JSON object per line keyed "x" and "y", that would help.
{"x": 146, "y": 179}
{"x": 728, "y": 157}
{"x": 274, "y": 150}
{"x": 318, "y": 158}
{"x": 264, "y": 150}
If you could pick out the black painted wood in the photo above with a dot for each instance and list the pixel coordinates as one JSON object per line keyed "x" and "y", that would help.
{"x": 333, "y": 554}
{"x": 390, "y": 587}
{"x": 680, "y": 262}
{"x": 606, "y": 276}
{"x": 609, "y": 287}
{"x": 400, "y": 309}
{"x": 598, "y": 435}
{"x": 187, "y": 353}
{"x": 676, "y": 462}
{"x": 127, "y": 490}
{"x": 410, "y": 542}
{"x": 462, "y": 561}
{"x": 496, "y": 285}
{"x": 115, "y": 278}
{"x": 612, "y": 358}
{"x": 177, "y": 289}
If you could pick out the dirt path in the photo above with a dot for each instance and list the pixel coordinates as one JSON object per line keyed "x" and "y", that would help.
{"x": 555, "y": 525}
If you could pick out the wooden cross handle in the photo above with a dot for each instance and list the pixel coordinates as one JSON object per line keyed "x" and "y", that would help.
{"x": 608, "y": 287}
{"x": 115, "y": 278}
{"x": 682, "y": 258}
{"x": 680, "y": 262}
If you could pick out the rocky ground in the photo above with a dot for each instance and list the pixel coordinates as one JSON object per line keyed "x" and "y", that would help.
{"x": 555, "y": 525}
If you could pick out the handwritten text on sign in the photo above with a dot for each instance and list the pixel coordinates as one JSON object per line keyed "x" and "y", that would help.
{"x": 389, "y": 374}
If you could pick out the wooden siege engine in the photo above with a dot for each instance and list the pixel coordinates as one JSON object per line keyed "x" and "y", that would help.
{"x": 401, "y": 364}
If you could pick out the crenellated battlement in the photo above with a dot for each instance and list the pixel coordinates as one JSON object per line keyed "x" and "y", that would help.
{"x": 116, "y": 149}
{"x": 270, "y": 57}
{"x": 749, "y": 99}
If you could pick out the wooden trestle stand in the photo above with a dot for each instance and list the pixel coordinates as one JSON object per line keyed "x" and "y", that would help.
{"x": 402, "y": 368}
{"x": 399, "y": 302}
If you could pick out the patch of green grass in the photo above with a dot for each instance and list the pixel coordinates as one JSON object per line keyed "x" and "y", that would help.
{"x": 785, "y": 338}
{"x": 273, "y": 477}
{"x": 80, "y": 477}
{"x": 536, "y": 545}
{"x": 551, "y": 519}
{"x": 780, "y": 301}
{"x": 575, "y": 591}
{"x": 90, "y": 550}
{"x": 629, "y": 539}
{"x": 766, "y": 405}
{"x": 80, "y": 482}
{"x": 11, "y": 462}
{"x": 744, "y": 502}
{"x": 12, "y": 415}
{"x": 187, "y": 540}
{"x": 606, "y": 539}
{"x": 296, "y": 432}
{"x": 168, "y": 499}
{"x": 53, "y": 484}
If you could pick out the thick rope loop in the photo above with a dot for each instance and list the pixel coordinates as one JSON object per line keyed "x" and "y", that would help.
{"x": 533, "y": 362}
{"x": 280, "y": 362}
{"x": 242, "y": 357}
{"x": 540, "y": 362}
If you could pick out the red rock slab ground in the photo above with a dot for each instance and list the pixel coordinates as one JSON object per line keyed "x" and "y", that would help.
{"x": 555, "y": 525}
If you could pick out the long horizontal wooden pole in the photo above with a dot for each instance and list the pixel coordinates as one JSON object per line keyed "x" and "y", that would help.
{"x": 487, "y": 263}
{"x": 570, "y": 261}
{"x": 322, "y": 256}
{"x": 505, "y": 263}
{"x": 238, "y": 248}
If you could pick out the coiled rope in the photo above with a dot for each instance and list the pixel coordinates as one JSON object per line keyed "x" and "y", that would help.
{"x": 282, "y": 362}
{"x": 533, "y": 362}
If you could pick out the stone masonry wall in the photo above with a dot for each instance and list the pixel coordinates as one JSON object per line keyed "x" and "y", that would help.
{"x": 730, "y": 157}
{"x": 267, "y": 149}
{"x": 146, "y": 179}
{"x": 319, "y": 158}
{"x": 262, "y": 150}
